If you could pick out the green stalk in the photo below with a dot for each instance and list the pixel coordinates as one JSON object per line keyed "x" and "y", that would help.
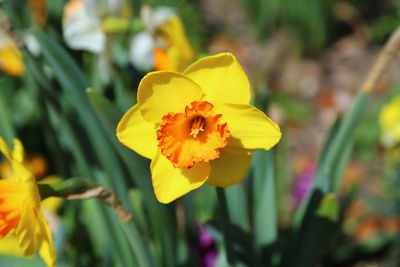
{"x": 133, "y": 235}
{"x": 225, "y": 225}
{"x": 329, "y": 172}
{"x": 345, "y": 134}
{"x": 66, "y": 187}
{"x": 6, "y": 129}
{"x": 323, "y": 181}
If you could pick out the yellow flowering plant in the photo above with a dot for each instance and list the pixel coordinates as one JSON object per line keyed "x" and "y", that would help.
{"x": 163, "y": 45}
{"x": 23, "y": 228}
{"x": 11, "y": 60}
{"x": 389, "y": 120}
{"x": 196, "y": 126}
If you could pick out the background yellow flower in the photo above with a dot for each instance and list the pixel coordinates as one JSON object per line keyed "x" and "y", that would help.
{"x": 21, "y": 222}
{"x": 389, "y": 120}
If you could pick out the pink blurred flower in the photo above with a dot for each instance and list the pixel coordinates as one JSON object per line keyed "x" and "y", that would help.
{"x": 206, "y": 248}
{"x": 303, "y": 184}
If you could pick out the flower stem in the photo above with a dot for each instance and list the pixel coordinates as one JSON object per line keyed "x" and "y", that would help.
{"x": 323, "y": 177}
{"x": 225, "y": 225}
{"x": 77, "y": 188}
{"x": 388, "y": 54}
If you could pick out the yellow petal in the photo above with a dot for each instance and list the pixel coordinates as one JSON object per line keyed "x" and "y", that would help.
{"x": 46, "y": 250}
{"x": 137, "y": 133}
{"x": 9, "y": 245}
{"x": 389, "y": 120}
{"x": 250, "y": 128}
{"x": 26, "y": 230}
{"x": 52, "y": 204}
{"x": 11, "y": 60}
{"x": 18, "y": 151}
{"x": 229, "y": 169}
{"x": 5, "y": 149}
{"x": 169, "y": 183}
{"x": 222, "y": 79}
{"x": 179, "y": 51}
{"x": 162, "y": 92}
{"x": 21, "y": 173}
{"x": 34, "y": 234}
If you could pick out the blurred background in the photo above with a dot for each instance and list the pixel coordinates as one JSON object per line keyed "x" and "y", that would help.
{"x": 306, "y": 60}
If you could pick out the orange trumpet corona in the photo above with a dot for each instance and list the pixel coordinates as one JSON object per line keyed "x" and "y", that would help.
{"x": 193, "y": 136}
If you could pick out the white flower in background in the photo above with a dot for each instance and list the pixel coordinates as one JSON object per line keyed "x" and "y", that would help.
{"x": 163, "y": 44}
{"x": 87, "y": 23}
{"x": 84, "y": 23}
{"x": 32, "y": 43}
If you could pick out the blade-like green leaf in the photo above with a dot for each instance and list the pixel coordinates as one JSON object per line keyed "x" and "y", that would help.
{"x": 265, "y": 206}
{"x": 164, "y": 229}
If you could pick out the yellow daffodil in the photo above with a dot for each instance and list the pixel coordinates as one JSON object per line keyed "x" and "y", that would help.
{"x": 36, "y": 164}
{"x": 23, "y": 228}
{"x": 11, "y": 60}
{"x": 196, "y": 126}
{"x": 163, "y": 45}
{"x": 389, "y": 120}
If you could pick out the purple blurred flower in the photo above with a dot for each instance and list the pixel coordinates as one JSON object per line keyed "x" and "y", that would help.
{"x": 205, "y": 239}
{"x": 206, "y": 248}
{"x": 303, "y": 184}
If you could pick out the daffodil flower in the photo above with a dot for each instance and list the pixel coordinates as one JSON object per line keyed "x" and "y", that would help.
{"x": 87, "y": 23}
{"x": 196, "y": 126}
{"x": 389, "y": 120}
{"x": 83, "y": 23}
{"x": 163, "y": 45}
{"x": 23, "y": 228}
{"x": 11, "y": 60}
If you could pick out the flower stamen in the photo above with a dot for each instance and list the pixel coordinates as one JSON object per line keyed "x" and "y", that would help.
{"x": 198, "y": 124}
{"x": 193, "y": 136}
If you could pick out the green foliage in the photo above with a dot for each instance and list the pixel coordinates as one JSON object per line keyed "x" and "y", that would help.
{"x": 62, "y": 101}
{"x": 294, "y": 111}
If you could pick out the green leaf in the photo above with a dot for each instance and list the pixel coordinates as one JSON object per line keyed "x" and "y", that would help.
{"x": 78, "y": 111}
{"x": 6, "y": 127}
{"x": 359, "y": 252}
{"x": 74, "y": 84}
{"x": 109, "y": 116}
{"x": 329, "y": 208}
{"x": 161, "y": 217}
{"x": 237, "y": 205}
{"x": 339, "y": 139}
{"x": 317, "y": 233}
{"x": 264, "y": 198}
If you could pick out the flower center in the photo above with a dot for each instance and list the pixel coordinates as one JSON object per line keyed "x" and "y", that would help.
{"x": 198, "y": 125}
{"x": 192, "y": 136}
